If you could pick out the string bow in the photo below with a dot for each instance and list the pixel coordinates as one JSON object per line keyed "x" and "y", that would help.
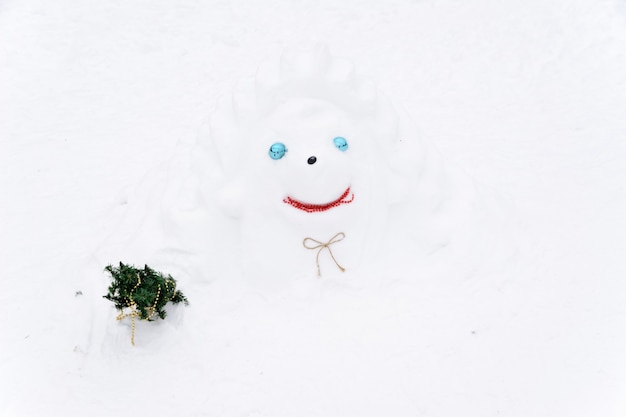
{"x": 313, "y": 244}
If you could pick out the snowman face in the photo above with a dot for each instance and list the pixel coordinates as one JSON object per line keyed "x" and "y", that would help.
{"x": 308, "y": 156}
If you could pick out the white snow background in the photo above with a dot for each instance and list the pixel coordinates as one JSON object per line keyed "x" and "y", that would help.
{"x": 527, "y": 98}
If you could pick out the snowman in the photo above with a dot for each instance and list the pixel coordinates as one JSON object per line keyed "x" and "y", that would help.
{"x": 307, "y": 173}
{"x": 312, "y": 161}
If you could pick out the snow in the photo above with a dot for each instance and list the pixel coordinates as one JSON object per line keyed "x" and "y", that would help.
{"x": 506, "y": 299}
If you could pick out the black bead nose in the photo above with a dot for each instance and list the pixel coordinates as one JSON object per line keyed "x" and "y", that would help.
{"x": 311, "y": 160}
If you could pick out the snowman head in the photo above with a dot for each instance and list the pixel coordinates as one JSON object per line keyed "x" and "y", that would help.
{"x": 306, "y": 136}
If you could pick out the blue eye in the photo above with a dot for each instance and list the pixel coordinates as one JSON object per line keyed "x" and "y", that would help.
{"x": 277, "y": 150}
{"x": 341, "y": 143}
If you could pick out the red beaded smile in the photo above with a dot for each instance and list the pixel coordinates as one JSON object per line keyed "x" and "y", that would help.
{"x": 313, "y": 208}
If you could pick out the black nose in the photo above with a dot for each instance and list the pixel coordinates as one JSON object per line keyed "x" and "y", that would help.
{"x": 311, "y": 160}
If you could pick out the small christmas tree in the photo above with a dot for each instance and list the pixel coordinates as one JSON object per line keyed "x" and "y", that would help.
{"x": 144, "y": 291}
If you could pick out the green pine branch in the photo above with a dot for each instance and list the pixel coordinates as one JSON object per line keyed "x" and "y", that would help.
{"x": 148, "y": 290}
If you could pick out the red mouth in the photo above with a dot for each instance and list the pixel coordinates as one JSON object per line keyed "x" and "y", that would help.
{"x": 312, "y": 208}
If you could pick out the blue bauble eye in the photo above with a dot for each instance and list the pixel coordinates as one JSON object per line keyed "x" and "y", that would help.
{"x": 277, "y": 150}
{"x": 341, "y": 143}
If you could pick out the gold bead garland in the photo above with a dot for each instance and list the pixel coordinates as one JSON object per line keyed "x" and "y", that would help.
{"x": 133, "y": 308}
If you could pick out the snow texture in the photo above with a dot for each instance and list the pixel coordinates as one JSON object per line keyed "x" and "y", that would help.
{"x": 483, "y": 250}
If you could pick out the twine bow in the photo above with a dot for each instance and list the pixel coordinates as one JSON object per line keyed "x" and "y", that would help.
{"x": 316, "y": 244}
